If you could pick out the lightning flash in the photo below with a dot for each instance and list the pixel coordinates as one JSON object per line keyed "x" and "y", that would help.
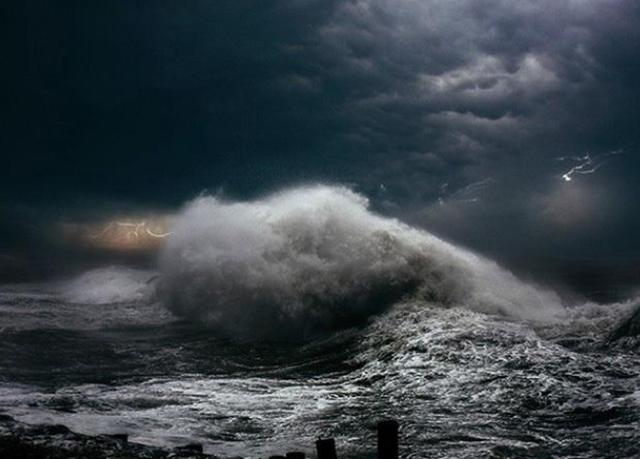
{"x": 586, "y": 164}
{"x": 119, "y": 234}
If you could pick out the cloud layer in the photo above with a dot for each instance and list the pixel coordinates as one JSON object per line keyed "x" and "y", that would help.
{"x": 451, "y": 114}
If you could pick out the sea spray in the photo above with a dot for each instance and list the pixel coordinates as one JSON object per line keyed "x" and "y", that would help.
{"x": 109, "y": 284}
{"x": 312, "y": 259}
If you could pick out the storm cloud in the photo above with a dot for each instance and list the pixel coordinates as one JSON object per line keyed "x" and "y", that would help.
{"x": 460, "y": 116}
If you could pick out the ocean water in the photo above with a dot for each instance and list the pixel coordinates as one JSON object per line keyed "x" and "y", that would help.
{"x": 269, "y": 323}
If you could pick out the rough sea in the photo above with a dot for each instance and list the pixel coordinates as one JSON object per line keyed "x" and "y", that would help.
{"x": 267, "y": 324}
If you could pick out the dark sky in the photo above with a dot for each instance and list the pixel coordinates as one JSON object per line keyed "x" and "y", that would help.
{"x": 449, "y": 114}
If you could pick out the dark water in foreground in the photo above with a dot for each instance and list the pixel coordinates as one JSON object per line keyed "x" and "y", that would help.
{"x": 463, "y": 383}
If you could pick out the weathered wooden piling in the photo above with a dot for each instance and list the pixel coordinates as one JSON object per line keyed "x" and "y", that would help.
{"x": 388, "y": 439}
{"x": 326, "y": 448}
{"x": 295, "y": 455}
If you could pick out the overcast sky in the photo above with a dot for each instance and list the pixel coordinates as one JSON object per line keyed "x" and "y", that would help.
{"x": 511, "y": 127}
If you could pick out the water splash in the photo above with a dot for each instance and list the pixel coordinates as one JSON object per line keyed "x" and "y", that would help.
{"x": 316, "y": 258}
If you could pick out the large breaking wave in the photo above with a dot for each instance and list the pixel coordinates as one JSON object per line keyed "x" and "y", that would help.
{"x": 441, "y": 358}
{"x": 313, "y": 259}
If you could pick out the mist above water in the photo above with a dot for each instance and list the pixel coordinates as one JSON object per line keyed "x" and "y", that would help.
{"x": 313, "y": 259}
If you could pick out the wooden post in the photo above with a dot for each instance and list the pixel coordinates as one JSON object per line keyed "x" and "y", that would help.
{"x": 388, "y": 439}
{"x": 326, "y": 448}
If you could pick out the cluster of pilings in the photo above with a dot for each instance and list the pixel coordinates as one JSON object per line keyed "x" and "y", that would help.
{"x": 326, "y": 447}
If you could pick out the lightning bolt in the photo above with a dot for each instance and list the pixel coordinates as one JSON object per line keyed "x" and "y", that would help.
{"x": 134, "y": 230}
{"x": 587, "y": 164}
{"x": 157, "y": 235}
{"x": 467, "y": 193}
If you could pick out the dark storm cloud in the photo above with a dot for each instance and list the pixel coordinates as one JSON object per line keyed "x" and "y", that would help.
{"x": 150, "y": 100}
{"x": 414, "y": 102}
{"x": 466, "y": 78}
{"x": 448, "y": 94}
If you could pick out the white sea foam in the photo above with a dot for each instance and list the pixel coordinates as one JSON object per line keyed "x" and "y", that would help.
{"x": 316, "y": 258}
{"x": 111, "y": 284}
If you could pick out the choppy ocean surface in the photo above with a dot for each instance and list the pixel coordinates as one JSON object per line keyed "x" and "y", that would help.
{"x": 270, "y": 323}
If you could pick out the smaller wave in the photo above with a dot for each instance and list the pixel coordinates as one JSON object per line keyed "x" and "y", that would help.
{"x": 112, "y": 284}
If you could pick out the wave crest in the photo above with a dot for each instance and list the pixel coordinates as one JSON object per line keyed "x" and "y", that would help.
{"x": 111, "y": 284}
{"x": 316, "y": 258}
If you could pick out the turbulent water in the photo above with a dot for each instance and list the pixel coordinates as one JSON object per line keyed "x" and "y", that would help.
{"x": 269, "y": 323}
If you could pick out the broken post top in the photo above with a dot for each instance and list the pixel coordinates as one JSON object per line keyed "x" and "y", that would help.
{"x": 388, "y": 439}
{"x": 326, "y": 448}
{"x": 388, "y": 425}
